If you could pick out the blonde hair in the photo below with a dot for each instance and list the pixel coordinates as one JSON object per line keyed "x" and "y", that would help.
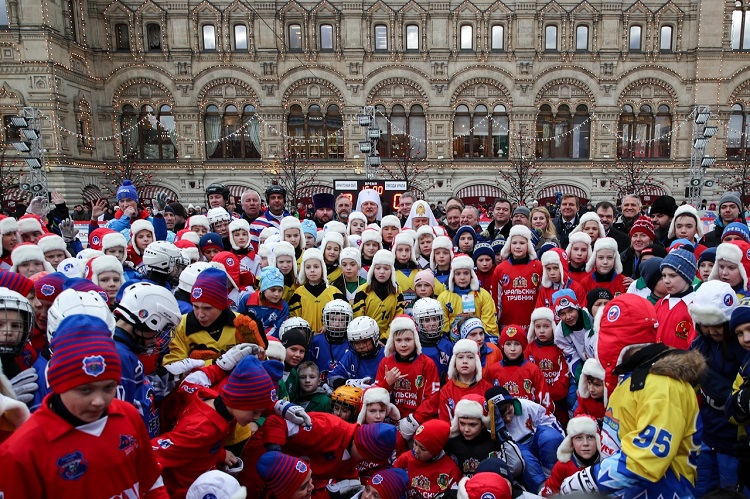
{"x": 549, "y": 229}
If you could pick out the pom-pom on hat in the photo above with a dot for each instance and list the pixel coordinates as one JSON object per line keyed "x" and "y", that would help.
{"x": 216, "y": 484}
{"x": 433, "y": 435}
{"x": 238, "y": 224}
{"x": 732, "y": 252}
{"x": 580, "y": 425}
{"x": 483, "y": 486}
{"x": 28, "y": 252}
{"x": 211, "y": 288}
{"x": 540, "y": 313}
{"x": 390, "y": 483}
{"x": 406, "y": 240}
{"x": 605, "y": 243}
{"x": 465, "y": 346}
{"x": 249, "y": 387}
{"x": 592, "y": 369}
{"x": 382, "y": 257}
{"x": 686, "y": 209}
{"x": 713, "y": 303}
{"x": 28, "y": 224}
{"x": 590, "y": 216}
{"x": 375, "y": 395}
{"x": 310, "y": 255}
{"x": 350, "y": 254}
{"x": 375, "y": 441}
{"x": 440, "y": 242}
{"x": 52, "y": 242}
{"x": 104, "y": 263}
{"x": 84, "y": 353}
{"x": 127, "y": 191}
{"x": 402, "y": 322}
{"x": 523, "y": 231}
{"x": 463, "y": 262}
{"x": 682, "y": 261}
{"x": 139, "y": 226}
{"x": 470, "y": 406}
{"x": 737, "y": 229}
{"x": 564, "y": 298}
{"x": 282, "y": 474}
{"x": 554, "y": 256}
{"x": 513, "y": 333}
{"x": 643, "y": 225}
{"x": 8, "y": 225}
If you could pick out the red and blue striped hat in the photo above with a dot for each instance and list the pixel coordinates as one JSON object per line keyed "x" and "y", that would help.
{"x": 282, "y": 474}
{"x": 375, "y": 441}
{"x": 211, "y": 287}
{"x": 390, "y": 483}
{"x": 249, "y": 387}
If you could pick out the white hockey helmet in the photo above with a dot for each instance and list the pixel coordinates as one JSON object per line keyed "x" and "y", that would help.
{"x": 10, "y": 343}
{"x": 296, "y": 322}
{"x": 337, "y": 314}
{"x": 72, "y": 302}
{"x": 425, "y": 311}
{"x": 364, "y": 328}
{"x": 190, "y": 274}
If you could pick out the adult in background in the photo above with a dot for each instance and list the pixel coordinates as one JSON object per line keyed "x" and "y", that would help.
{"x": 324, "y": 204}
{"x": 452, "y": 220}
{"x": 631, "y": 210}
{"x": 662, "y": 212}
{"x": 276, "y": 200}
{"x": 180, "y": 216}
{"x": 251, "y": 205}
{"x": 568, "y": 219}
{"x": 500, "y": 225}
{"x": 343, "y": 208}
{"x": 541, "y": 222}
{"x": 606, "y": 212}
{"x": 129, "y": 211}
{"x": 521, "y": 216}
{"x": 404, "y": 206}
{"x": 641, "y": 235}
{"x": 368, "y": 202}
{"x": 217, "y": 196}
{"x": 470, "y": 217}
{"x": 730, "y": 209}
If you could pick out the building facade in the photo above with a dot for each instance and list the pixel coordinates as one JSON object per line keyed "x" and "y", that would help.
{"x": 206, "y": 91}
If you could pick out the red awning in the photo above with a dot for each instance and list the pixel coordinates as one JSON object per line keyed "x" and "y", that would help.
{"x": 489, "y": 192}
{"x": 552, "y": 190}
{"x": 91, "y": 193}
{"x": 651, "y": 192}
{"x": 309, "y": 192}
{"x": 149, "y": 192}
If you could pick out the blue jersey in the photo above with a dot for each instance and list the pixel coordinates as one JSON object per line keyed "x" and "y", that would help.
{"x": 440, "y": 355}
{"x": 326, "y": 355}
{"x": 352, "y": 366}
{"x": 271, "y": 316}
{"x": 41, "y": 370}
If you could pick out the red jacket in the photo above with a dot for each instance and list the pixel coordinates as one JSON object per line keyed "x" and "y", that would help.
{"x": 48, "y": 457}
{"x": 551, "y": 362}
{"x": 676, "y": 328}
{"x": 544, "y": 298}
{"x": 487, "y": 281}
{"x": 426, "y": 480}
{"x": 560, "y": 472}
{"x": 615, "y": 286}
{"x": 516, "y": 289}
{"x": 454, "y": 391}
{"x": 525, "y": 381}
{"x": 418, "y": 391}
{"x": 590, "y": 407}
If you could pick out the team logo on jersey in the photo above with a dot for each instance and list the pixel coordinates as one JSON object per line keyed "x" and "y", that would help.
{"x": 511, "y": 331}
{"x": 402, "y": 384}
{"x": 520, "y": 282}
{"x": 747, "y": 254}
{"x": 527, "y": 385}
{"x": 94, "y": 365}
{"x": 420, "y": 482}
{"x": 197, "y": 293}
{"x": 128, "y": 444}
{"x": 419, "y": 381}
{"x": 301, "y": 467}
{"x": 274, "y": 395}
{"x": 377, "y": 479}
{"x": 505, "y": 280}
{"x": 72, "y": 466}
{"x": 230, "y": 262}
{"x": 728, "y": 300}
{"x": 546, "y": 365}
{"x": 451, "y": 404}
{"x": 682, "y": 330}
{"x": 488, "y": 495}
{"x": 48, "y": 289}
{"x": 104, "y": 296}
{"x": 529, "y": 424}
{"x": 95, "y": 240}
{"x": 512, "y": 387}
{"x": 143, "y": 313}
{"x": 470, "y": 465}
{"x": 535, "y": 279}
{"x": 443, "y": 481}
{"x": 613, "y": 314}
{"x": 164, "y": 443}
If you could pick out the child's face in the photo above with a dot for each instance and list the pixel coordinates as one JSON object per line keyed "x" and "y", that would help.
{"x": 729, "y": 273}
{"x": 716, "y": 333}
{"x": 465, "y": 242}
{"x": 331, "y": 253}
{"x": 273, "y": 294}
{"x": 382, "y": 273}
{"x": 425, "y": 244}
{"x": 543, "y": 330}
{"x": 10, "y": 241}
{"x": 294, "y": 355}
{"x": 585, "y": 446}
{"x": 362, "y": 347}
{"x": 349, "y": 268}
{"x": 241, "y": 238}
{"x": 484, "y": 263}
{"x": 423, "y": 290}
{"x": 743, "y": 335}
{"x": 421, "y": 453}
{"x": 605, "y": 261}
{"x": 466, "y": 364}
{"x": 508, "y": 412}
{"x": 375, "y": 413}
{"x": 221, "y": 227}
{"x": 357, "y": 227}
{"x": 110, "y": 282}
{"x": 292, "y": 236}
{"x": 264, "y": 262}
{"x": 579, "y": 253}
{"x": 284, "y": 264}
{"x": 673, "y": 282}
{"x": 429, "y": 324}
{"x": 403, "y": 253}
{"x": 210, "y": 253}
{"x": 388, "y": 233}
{"x": 200, "y": 230}
{"x": 342, "y": 411}
{"x": 309, "y": 380}
{"x": 660, "y": 290}
{"x": 89, "y": 401}
{"x": 512, "y": 349}
{"x": 685, "y": 227}
{"x": 553, "y": 272}
{"x": 519, "y": 246}
{"x": 442, "y": 257}
{"x": 54, "y": 257}
{"x": 11, "y": 327}
{"x": 243, "y": 416}
{"x": 568, "y": 315}
{"x": 116, "y": 251}
{"x": 498, "y": 258}
{"x": 598, "y": 304}
{"x": 462, "y": 278}
{"x": 704, "y": 269}
{"x": 143, "y": 239}
{"x": 477, "y": 336}
{"x": 403, "y": 342}
{"x": 595, "y": 386}
{"x": 469, "y": 427}
{"x": 370, "y": 248}
{"x": 28, "y": 269}
{"x": 40, "y": 312}
{"x": 592, "y": 229}
{"x": 309, "y": 241}
{"x": 313, "y": 271}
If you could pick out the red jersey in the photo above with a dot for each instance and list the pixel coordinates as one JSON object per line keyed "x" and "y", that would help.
{"x": 516, "y": 289}
{"x": 676, "y": 328}
{"x": 560, "y": 472}
{"x": 578, "y": 275}
{"x": 591, "y": 407}
{"x": 616, "y": 286}
{"x": 544, "y": 298}
{"x": 428, "y": 479}
{"x": 487, "y": 282}
{"x": 48, "y": 457}
{"x": 453, "y": 391}
{"x": 525, "y": 381}
{"x": 418, "y": 391}
{"x": 551, "y": 362}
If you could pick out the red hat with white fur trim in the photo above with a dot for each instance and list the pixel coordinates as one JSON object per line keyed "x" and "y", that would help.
{"x": 104, "y": 263}
{"x": 28, "y": 252}
{"x": 736, "y": 252}
{"x": 402, "y": 323}
{"x": 470, "y": 406}
{"x": 52, "y": 242}
{"x": 580, "y": 425}
{"x": 554, "y": 256}
{"x": 605, "y": 243}
{"x": 380, "y": 395}
{"x": 523, "y": 231}
{"x": 30, "y": 223}
{"x": 8, "y": 225}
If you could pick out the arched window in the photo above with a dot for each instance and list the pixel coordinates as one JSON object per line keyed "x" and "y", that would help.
{"x": 498, "y": 37}
{"x": 153, "y": 37}
{"x": 240, "y": 37}
{"x": 148, "y": 135}
{"x": 738, "y": 133}
{"x": 317, "y": 133}
{"x": 232, "y": 134}
{"x": 381, "y": 37}
{"x": 402, "y": 135}
{"x": 412, "y": 37}
{"x": 480, "y": 134}
{"x": 563, "y": 134}
{"x": 582, "y": 38}
{"x": 326, "y": 37}
{"x": 741, "y": 26}
{"x": 645, "y": 134}
{"x": 550, "y": 37}
{"x": 635, "y": 39}
{"x": 122, "y": 36}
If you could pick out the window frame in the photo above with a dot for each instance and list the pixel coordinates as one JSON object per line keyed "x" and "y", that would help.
{"x": 147, "y": 44}
{"x": 645, "y": 120}
{"x": 319, "y": 140}
{"x": 375, "y": 45}
{"x": 569, "y": 125}
{"x": 204, "y": 37}
{"x": 245, "y": 145}
{"x": 669, "y": 49}
{"x": 157, "y": 136}
{"x": 118, "y": 39}
{"x": 406, "y": 38}
{"x": 234, "y": 37}
{"x": 296, "y": 42}
{"x": 556, "y": 47}
{"x": 502, "y": 38}
{"x": 740, "y": 35}
{"x": 320, "y": 38}
{"x": 578, "y": 38}
{"x": 631, "y": 47}
{"x": 475, "y": 146}
{"x": 463, "y": 29}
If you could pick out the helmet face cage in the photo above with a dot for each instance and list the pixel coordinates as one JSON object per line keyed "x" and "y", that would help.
{"x": 366, "y": 332}
{"x": 151, "y": 342}
{"x": 336, "y": 323}
{"x": 177, "y": 264}
{"x": 16, "y": 321}
{"x": 429, "y": 317}
{"x": 296, "y": 323}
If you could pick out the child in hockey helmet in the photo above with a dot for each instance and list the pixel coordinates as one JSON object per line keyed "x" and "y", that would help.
{"x": 346, "y": 402}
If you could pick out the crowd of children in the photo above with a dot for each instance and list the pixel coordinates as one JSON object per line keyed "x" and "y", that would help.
{"x": 281, "y": 360}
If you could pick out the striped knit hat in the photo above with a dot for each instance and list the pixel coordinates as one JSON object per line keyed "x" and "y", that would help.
{"x": 249, "y": 387}
{"x": 48, "y": 287}
{"x": 16, "y": 282}
{"x": 84, "y": 353}
{"x": 211, "y": 287}
{"x": 375, "y": 441}
{"x": 282, "y": 474}
{"x": 682, "y": 261}
{"x": 81, "y": 284}
{"x": 390, "y": 483}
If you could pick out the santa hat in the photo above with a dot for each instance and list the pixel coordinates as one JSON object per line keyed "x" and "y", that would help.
{"x": 275, "y": 350}
{"x": 523, "y": 231}
{"x": 312, "y": 254}
{"x": 238, "y": 224}
{"x": 53, "y": 242}
{"x": 578, "y": 237}
{"x": 463, "y": 262}
{"x": 371, "y": 235}
{"x": 382, "y": 257}
{"x": 198, "y": 221}
{"x": 138, "y": 226}
{"x": 283, "y": 248}
{"x": 390, "y": 221}
{"x": 484, "y": 486}
{"x": 513, "y": 333}
{"x": 732, "y": 252}
{"x": 465, "y": 346}
{"x": 605, "y": 243}
{"x": 686, "y": 209}
{"x": 440, "y": 242}
{"x": 29, "y": 223}
{"x": 374, "y": 395}
{"x": 115, "y": 240}
{"x": 188, "y": 250}
{"x": 590, "y": 216}
{"x": 433, "y": 435}
{"x": 400, "y": 323}
{"x": 713, "y": 303}
{"x": 407, "y": 240}
{"x": 554, "y": 256}
{"x": 104, "y": 263}
{"x": 355, "y": 215}
{"x": 291, "y": 223}
{"x": 580, "y": 425}
{"x": 8, "y": 225}
{"x": 594, "y": 370}
{"x": 28, "y": 252}
{"x": 470, "y": 406}
{"x": 539, "y": 314}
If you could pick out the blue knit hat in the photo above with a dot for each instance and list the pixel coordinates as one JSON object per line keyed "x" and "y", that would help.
{"x": 565, "y": 298}
{"x": 708, "y": 255}
{"x": 737, "y": 229}
{"x": 651, "y": 271}
{"x": 127, "y": 191}
{"x": 270, "y": 277}
{"x": 483, "y": 248}
{"x": 249, "y": 387}
{"x": 461, "y": 230}
{"x": 211, "y": 287}
{"x": 498, "y": 244}
{"x": 309, "y": 227}
{"x": 682, "y": 261}
{"x": 740, "y": 315}
{"x": 211, "y": 240}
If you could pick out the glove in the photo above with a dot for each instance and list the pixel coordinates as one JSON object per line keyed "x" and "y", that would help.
{"x": 342, "y": 487}
{"x": 581, "y": 481}
{"x": 25, "y": 385}
{"x": 37, "y": 206}
{"x": 234, "y": 355}
{"x": 198, "y": 378}
{"x": 327, "y": 389}
{"x": 293, "y": 413}
{"x": 408, "y": 426}
{"x": 159, "y": 203}
{"x": 363, "y": 383}
{"x": 511, "y": 454}
{"x": 184, "y": 366}
{"x": 68, "y": 229}
{"x": 742, "y": 400}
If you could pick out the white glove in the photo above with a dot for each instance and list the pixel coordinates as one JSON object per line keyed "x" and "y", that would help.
{"x": 327, "y": 389}
{"x": 25, "y": 385}
{"x": 69, "y": 230}
{"x": 36, "y": 206}
{"x": 511, "y": 454}
{"x": 344, "y": 486}
{"x": 234, "y": 355}
{"x": 293, "y": 413}
{"x": 159, "y": 203}
{"x": 184, "y": 366}
{"x": 408, "y": 426}
{"x": 581, "y": 481}
{"x": 363, "y": 383}
{"x": 198, "y": 378}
